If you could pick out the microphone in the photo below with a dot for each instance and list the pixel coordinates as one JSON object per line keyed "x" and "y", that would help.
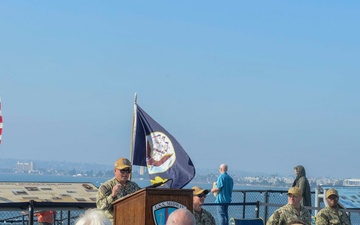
{"x": 155, "y": 185}
{"x": 160, "y": 183}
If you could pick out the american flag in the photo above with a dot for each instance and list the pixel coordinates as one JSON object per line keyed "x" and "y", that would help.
{"x": 1, "y": 122}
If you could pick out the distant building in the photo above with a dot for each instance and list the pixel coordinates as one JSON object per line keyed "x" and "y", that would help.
{"x": 24, "y": 167}
{"x": 351, "y": 182}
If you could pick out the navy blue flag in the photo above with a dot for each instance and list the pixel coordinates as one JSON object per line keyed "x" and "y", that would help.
{"x": 155, "y": 148}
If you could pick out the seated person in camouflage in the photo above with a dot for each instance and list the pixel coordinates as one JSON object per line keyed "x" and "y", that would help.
{"x": 202, "y": 216}
{"x": 332, "y": 214}
{"x": 116, "y": 188}
{"x": 291, "y": 213}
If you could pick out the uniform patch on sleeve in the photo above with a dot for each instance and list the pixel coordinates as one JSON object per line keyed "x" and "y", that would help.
{"x": 324, "y": 217}
{"x": 105, "y": 190}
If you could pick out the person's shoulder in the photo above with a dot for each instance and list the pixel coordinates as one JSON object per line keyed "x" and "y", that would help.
{"x": 305, "y": 210}
{"x": 207, "y": 212}
{"x": 208, "y": 217}
{"x": 325, "y": 209}
{"x": 226, "y": 175}
{"x": 321, "y": 211}
{"x": 280, "y": 210}
{"x": 277, "y": 213}
{"x": 110, "y": 182}
{"x": 286, "y": 207}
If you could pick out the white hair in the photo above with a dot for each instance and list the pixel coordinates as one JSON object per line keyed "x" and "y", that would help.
{"x": 93, "y": 217}
{"x": 181, "y": 216}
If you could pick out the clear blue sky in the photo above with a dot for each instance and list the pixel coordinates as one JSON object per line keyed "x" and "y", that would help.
{"x": 260, "y": 85}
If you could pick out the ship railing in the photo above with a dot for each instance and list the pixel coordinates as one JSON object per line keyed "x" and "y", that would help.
{"x": 249, "y": 204}
{"x": 245, "y": 204}
{"x": 67, "y": 213}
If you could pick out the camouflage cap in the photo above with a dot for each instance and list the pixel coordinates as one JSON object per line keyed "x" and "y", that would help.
{"x": 294, "y": 191}
{"x": 122, "y": 163}
{"x": 331, "y": 192}
{"x": 197, "y": 190}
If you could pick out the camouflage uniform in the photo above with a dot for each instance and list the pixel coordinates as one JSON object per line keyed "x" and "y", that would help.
{"x": 288, "y": 214}
{"x": 204, "y": 218}
{"x": 104, "y": 199}
{"x": 328, "y": 216}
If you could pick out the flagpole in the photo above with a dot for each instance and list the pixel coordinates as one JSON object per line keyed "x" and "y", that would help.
{"x": 133, "y": 132}
{"x": 1, "y": 125}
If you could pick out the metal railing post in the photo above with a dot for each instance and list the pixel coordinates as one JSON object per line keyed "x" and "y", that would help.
{"x": 244, "y": 201}
{"x": 31, "y": 212}
{"x": 23, "y": 219}
{"x": 69, "y": 219}
{"x": 266, "y": 207}
{"x": 257, "y": 209}
{"x": 317, "y": 198}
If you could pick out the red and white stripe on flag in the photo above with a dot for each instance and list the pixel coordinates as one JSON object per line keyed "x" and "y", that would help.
{"x": 1, "y": 122}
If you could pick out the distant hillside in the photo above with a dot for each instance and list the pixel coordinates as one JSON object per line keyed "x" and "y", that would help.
{"x": 10, "y": 164}
{"x": 57, "y": 165}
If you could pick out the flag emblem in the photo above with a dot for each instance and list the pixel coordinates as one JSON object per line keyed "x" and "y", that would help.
{"x": 160, "y": 153}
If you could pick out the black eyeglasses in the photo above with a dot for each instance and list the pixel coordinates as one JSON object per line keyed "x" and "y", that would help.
{"x": 333, "y": 198}
{"x": 125, "y": 171}
{"x": 202, "y": 195}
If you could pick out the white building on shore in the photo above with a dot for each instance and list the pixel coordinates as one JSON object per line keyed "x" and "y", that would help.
{"x": 351, "y": 182}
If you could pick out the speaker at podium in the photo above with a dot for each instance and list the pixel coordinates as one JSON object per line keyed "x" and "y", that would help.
{"x": 151, "y": 206}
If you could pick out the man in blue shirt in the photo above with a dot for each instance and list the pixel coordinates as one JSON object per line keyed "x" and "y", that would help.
{"x": 223, "y": 192}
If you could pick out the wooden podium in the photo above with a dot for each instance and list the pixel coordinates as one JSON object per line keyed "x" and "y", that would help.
{"x": 151, "y": 206}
